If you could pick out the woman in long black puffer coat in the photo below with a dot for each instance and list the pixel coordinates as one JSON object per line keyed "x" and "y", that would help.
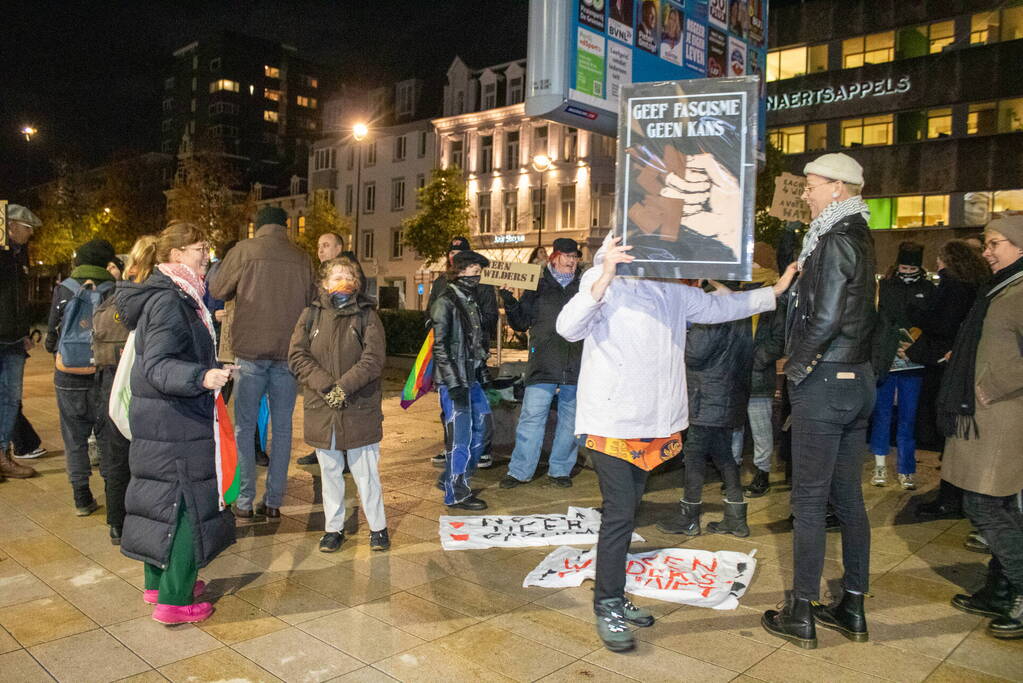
{"x": 174, "y": 523}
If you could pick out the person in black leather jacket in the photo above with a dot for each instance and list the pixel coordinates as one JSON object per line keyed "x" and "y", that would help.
{"x": 460, "y": 369}
{"x": 830, "y": 324}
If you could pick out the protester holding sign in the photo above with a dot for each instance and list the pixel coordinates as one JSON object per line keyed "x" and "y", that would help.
{"x": 553, "y": 370}
{"x": 175, "y": 524}
{"x": 831, "y": 385}
{"x": 632, "y": 399}
{"x": 460, "y": 369}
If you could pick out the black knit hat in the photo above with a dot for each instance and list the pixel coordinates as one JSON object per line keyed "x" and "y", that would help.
{"x": 459, "y": 244}
{"x": 95, "y": 252}
{"x": 911, "y": 254}
{"x": 464, "y": 259}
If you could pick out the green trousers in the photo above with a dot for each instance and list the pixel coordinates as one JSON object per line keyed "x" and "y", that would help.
{"x": 177, "y": 581}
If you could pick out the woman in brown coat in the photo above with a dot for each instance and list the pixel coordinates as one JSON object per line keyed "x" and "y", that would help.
{"x": 980, "y": 408}
{"x": 337, "y": 354}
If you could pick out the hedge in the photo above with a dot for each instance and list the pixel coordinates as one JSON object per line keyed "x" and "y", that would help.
{"x": 405, "y": 330}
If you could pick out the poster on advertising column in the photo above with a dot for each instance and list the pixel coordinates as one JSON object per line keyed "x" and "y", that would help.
{"x": 686, "y": 178}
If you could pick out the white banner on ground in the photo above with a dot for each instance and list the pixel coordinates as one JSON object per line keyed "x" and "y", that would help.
{"x": 682, "y": 575}
{"x": 579, "y": 526}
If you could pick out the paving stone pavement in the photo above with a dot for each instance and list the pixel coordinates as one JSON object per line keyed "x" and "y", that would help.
{"x": 71, "y": 607}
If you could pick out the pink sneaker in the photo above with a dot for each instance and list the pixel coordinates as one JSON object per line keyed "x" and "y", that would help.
{"x": 182, "y": 614}
{"x": 152, "y": 596}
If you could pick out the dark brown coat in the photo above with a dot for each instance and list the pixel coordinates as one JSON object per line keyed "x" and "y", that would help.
{"x": 271, "y": 281}
{"x": 340, "y": 346}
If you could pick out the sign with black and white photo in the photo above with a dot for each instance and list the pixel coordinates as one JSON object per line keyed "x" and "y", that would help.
{"x": 686, "y": 178}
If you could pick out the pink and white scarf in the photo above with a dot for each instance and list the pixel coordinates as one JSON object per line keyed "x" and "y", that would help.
{"x": 194, "y": 285}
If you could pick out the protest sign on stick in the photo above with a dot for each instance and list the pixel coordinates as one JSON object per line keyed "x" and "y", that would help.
{"x": 787, "y": 203}
{"x": 512, "y": 275}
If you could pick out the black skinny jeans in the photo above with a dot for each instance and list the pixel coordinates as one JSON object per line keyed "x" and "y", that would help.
{"x": 1000, "y": 522}
{"x": 621, "y": 485}
{"x": 830, "y": 410}
{"x": 113, "y": 450}
{"x": 714, "y": 443}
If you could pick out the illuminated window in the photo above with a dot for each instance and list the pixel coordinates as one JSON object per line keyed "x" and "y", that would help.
{"x": 984, "y": 28}
{"x": 796, "y": 61}
{"x": 270, "y": 94}
{"x": 816, "y": 136}
{"x": 483, "y": 211}
{"x": 271, "y": 71}
{"x": 309, "y": 102}
{"x": 271, "y": 116}
{"x": 919, "y": 211}
{"x": 1007, "y": 200}
{"x": 939, "y": 123}
{"x": 252, "y": 230}
{"x": 1012, "y": 23}
{"x": 940, "y": 34}
{"x": 876, "y": 48}
{"x": 310, "y": 81}
{"x": 301, "y": 225}
{"x": 873, "y": 130}
{"x": 225, "y": 84}
{"x": 916, "y": 41}
{"x": 1010, "y": 115}
{"x": 791, "y": 140}
{"x": 982, "y": 119}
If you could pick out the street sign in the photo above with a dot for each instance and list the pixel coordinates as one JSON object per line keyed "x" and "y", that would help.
{"x": 583, "y": 52}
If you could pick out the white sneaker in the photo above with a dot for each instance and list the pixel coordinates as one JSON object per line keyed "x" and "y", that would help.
{"x": 906, "y": 480}
{"x": 880, "y": 477}
{"x": 486, "y": 461}
{"x": 37, "y": 453}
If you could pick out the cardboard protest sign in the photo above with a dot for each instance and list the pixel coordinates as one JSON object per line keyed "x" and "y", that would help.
{"x": 788, "y": 203}
{"x": 680, "y": 575}
{"x": 512, "y": 275}
{"x": 686, "y": 177}
{"x": 3, "y": 224}
{"x": 579, "y": 525}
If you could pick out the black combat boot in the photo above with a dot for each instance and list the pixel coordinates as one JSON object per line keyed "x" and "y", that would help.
{"x": 734, "y": 522}
{"x": 845, "y": 616}
{"x": 685, "y": 521}
{"x": 994, "y": 599}
{"x": 793, "y": 623}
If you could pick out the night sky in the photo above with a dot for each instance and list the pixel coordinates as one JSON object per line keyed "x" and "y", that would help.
{"x": 88, "y": 74}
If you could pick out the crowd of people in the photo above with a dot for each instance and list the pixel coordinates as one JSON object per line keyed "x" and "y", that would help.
{"x": 638, "y": 371}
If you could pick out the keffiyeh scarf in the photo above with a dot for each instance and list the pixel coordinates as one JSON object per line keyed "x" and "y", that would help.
{"x": 194, "y": 285}
{"x": 828, "y": 218}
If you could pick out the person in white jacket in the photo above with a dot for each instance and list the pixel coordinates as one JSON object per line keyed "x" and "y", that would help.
{"x": 631, "y": 401}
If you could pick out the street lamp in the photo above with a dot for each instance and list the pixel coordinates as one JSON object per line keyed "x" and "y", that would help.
{"x": 28, "y": 132}
{"x": 542, "y": 163}
{"x": 359, "y": 132}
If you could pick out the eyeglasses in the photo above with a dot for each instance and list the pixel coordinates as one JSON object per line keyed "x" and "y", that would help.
{"x": 808, "y": 186}
{"x": 991, "y": 244}
{"x": 201, "y": 248}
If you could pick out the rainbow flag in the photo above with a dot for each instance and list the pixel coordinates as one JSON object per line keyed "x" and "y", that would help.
{"x": 420, "y": 379}
{"x": 226, "y": 454}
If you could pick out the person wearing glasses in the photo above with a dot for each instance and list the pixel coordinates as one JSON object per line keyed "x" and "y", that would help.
{"x": 829, "y": 329}
{"x": 979, "y": 409}
{"x": 553, "y": 370}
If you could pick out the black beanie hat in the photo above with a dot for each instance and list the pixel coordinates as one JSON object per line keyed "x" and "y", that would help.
{"x": 97, "y": 252}
{"x": 911, "y": 254}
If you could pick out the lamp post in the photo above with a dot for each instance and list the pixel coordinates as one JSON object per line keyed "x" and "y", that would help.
{"x": 542, "y": 163}
{"x": 28, "y": 132}
{"x": 359, "y": 132}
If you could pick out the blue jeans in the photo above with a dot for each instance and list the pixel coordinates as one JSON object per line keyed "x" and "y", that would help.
{"x": 12, "y": 373}
{"x": 270, "y": 377}
{"x": 466, "y": 426}
{"x": 759, "y": 409}
{"x": 529, "y": 433}
{"x": 906, "y": 384}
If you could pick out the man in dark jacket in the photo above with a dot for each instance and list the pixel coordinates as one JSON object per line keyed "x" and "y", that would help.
{"x": 460, "y": 369}
{"x": 271, "y": 281}
{"x": 486, "y": 299}
{"x": 553, "y": 370}
{"x": 15, "y": 342}
{"x": 719, "y": 363}
{"x": 830, "y": 325}
{"x": 78, "y": 394}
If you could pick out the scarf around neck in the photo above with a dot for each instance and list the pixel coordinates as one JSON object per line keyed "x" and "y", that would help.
{"x": 958, "y": 395}
{"x": 828, "y": 218}
{"x": 194, "y": 285}
{"x": 564, "y": 279}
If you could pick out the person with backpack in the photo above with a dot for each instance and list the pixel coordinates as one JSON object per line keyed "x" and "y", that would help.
{"x": 337, "y": 353}
{"x": 109, "y": 337}
{"x": 15, "y": 339}
{"x": 69, "y": 338}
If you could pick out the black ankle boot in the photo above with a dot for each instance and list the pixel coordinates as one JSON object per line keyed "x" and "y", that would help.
{"x": 685, "y": 521}
{"x": 734, "y": 521}
{"x": 845, "y": 616}
{"x": 793, "y": 623}
{"x": 994, "y": 599}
